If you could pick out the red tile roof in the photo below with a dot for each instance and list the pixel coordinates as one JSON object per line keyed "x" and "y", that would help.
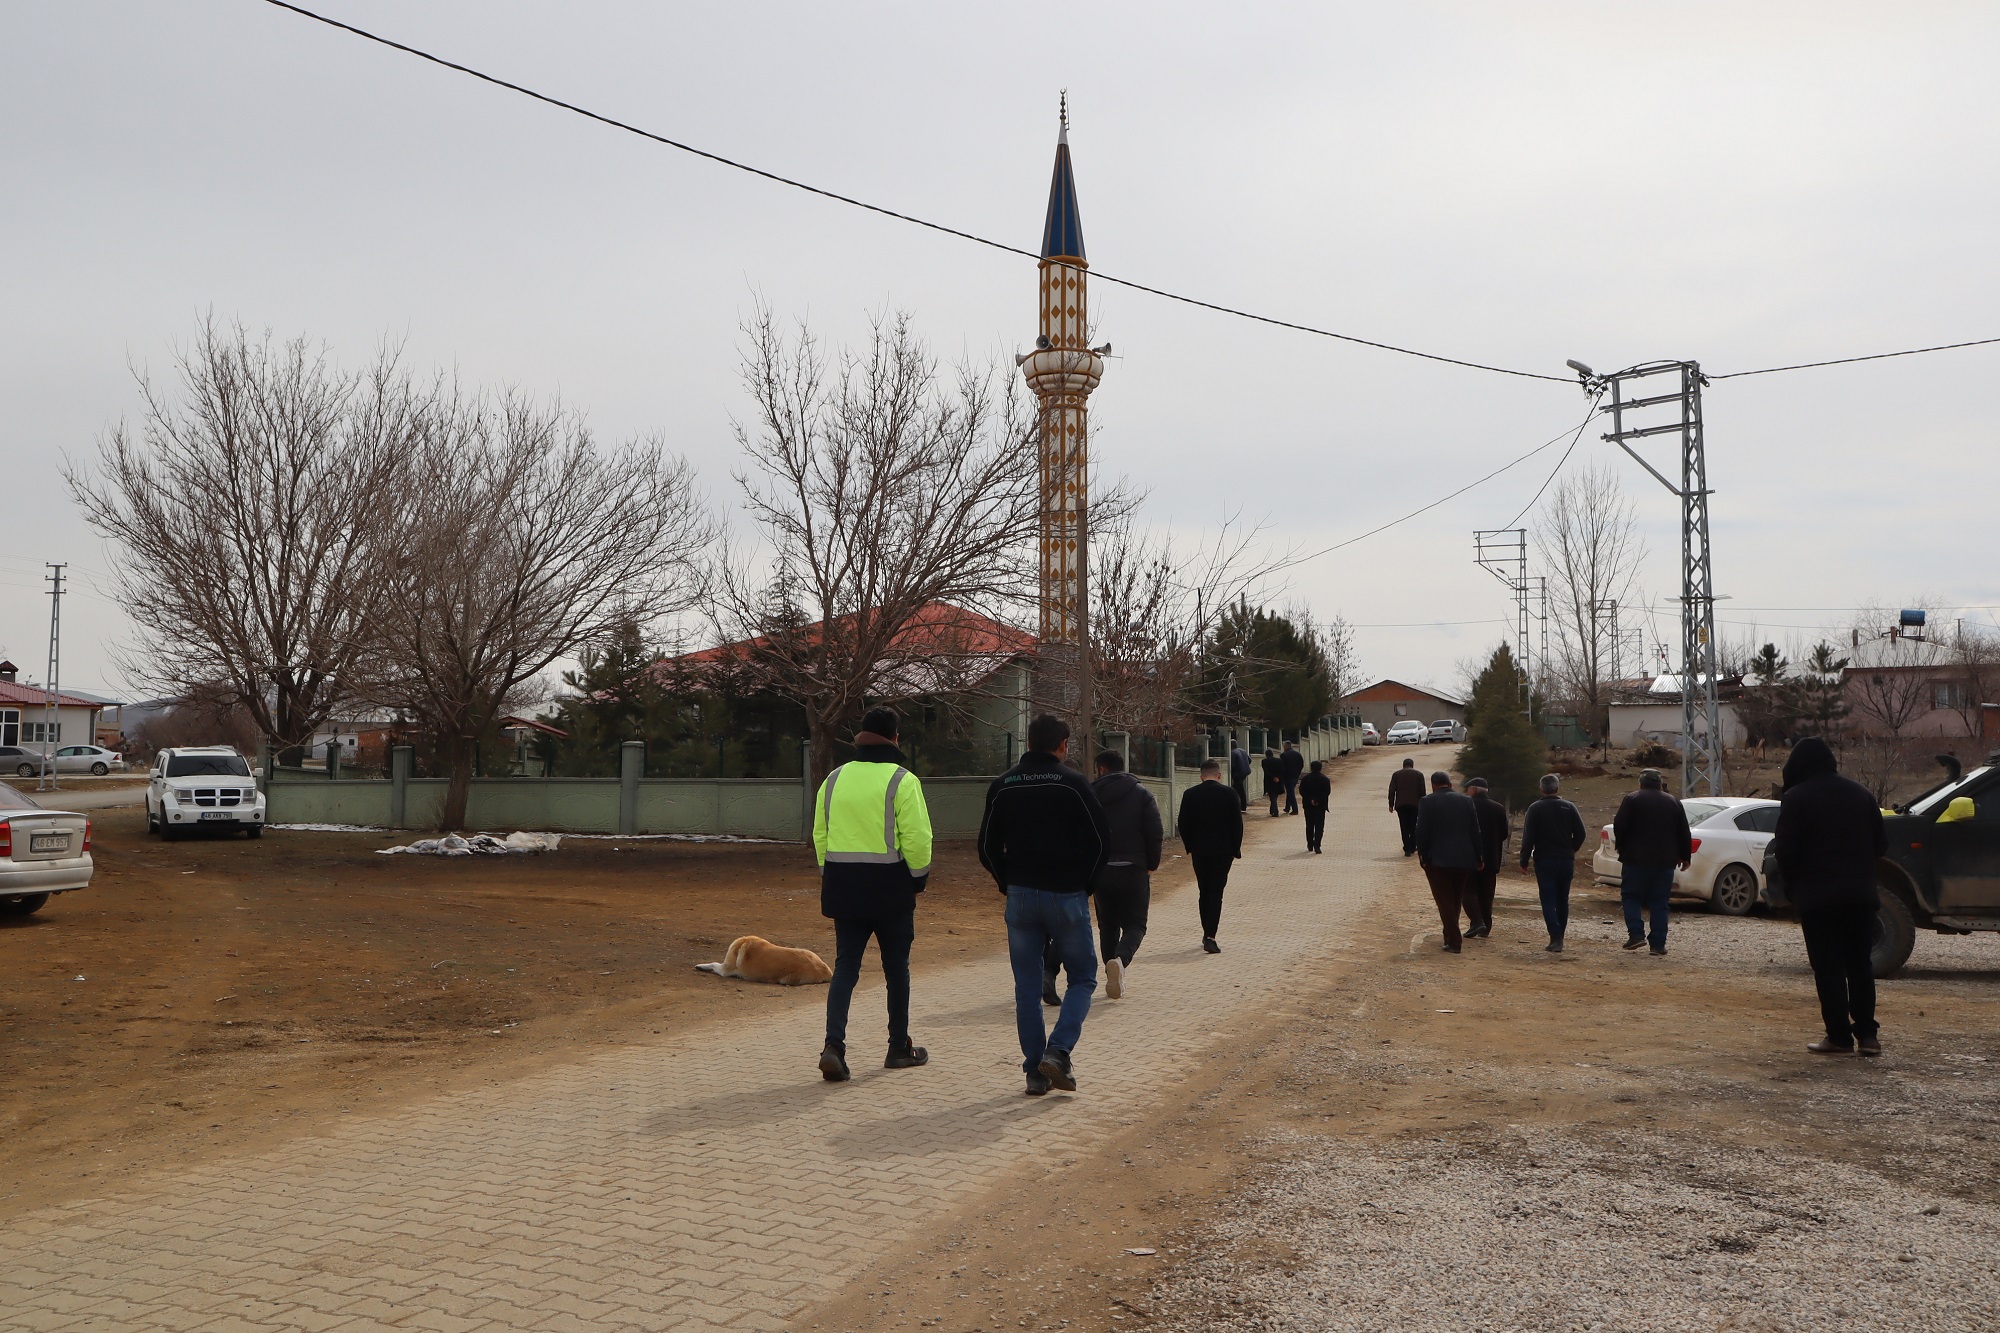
{"x": 13, "y": 693}
{"x": 937, "y": 629}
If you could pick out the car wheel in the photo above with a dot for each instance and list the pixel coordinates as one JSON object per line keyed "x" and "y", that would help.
{"x": 1735, "y": 891}
{"x": 1895, "y": 935}
{"x": 254, "y": 831}
{"x": 26, "y": 904}
{"x": 27, "y": 770}
{"x": 99, "y": 769}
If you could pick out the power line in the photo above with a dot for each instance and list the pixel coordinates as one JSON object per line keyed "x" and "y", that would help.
{"x": 1850, "y": 360}
{"x": 1559, "y": 462}
{"x": 890, "y": 212}
{"x": 1329, "y": 550}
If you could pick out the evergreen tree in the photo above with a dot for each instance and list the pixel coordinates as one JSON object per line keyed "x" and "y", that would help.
{"x": 1820, "y": 701}
{"x": 1502, "y": 745}
{"x": 1263, "y": 668}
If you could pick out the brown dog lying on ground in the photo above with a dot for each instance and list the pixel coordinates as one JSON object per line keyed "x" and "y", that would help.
{"x": 754, "y": 958}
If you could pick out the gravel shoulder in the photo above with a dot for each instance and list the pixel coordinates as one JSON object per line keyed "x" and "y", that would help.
{"x": 1513, "y": 1140}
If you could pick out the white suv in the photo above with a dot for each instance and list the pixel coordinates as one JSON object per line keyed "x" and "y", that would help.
{"x": 203, "y": 786}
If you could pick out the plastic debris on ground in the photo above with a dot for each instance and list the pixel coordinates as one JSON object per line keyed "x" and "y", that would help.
{"x": 479, "y": 844}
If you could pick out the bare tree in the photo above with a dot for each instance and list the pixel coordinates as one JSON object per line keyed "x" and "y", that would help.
{"x": 247, "y": 512}
{"x": 1894, "y": 677}
{"x": 1975, "y": 653}
{"x": 887, "y": 499}
{"x": 522, "y": 543}
{"x": 1590, "y": 541}
{"x": 1154, "y": 606}
{"x": 1343, "y": 662}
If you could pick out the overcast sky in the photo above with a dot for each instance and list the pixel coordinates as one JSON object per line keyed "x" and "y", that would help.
{"x": 1746, "y": 185}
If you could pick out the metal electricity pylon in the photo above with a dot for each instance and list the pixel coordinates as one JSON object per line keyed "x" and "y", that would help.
{"x": 1503, "y": 553}
{"x": 51, "y": 706}
{"x": 1637, "y": 417}
{"x": 1603, "y": 611}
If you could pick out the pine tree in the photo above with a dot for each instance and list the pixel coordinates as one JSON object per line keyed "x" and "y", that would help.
{"x": 1503, "y": 746}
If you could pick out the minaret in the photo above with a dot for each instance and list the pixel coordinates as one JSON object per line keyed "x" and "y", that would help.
{"x": 1062, "y": 371}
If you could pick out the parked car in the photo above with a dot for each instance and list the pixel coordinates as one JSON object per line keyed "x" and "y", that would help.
{"x": 1726, "y": 870}
{"x": 1408, "y": 732}
{"x": 42, "y": 853}
{"x": 94, "y": 759}
{"x": 1370, "y": 736}
{"x": 1942, "y": 868}
{"x": 1446, "y": 729}
{"x": 203, "y": 786}
{"x": 21, "y": 763}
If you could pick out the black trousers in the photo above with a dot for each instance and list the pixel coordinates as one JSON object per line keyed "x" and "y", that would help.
{"x": 1291, "y": 796}
{"x": 1211, "y": 877}
{"x": 1406, "y": 815}
{"x": 1838, "y": 942}
{"x": 1449, "y": 889}
{"x": 1479, "y": 902}
{"x": 894, "y": 934}
{"x": 1124, "y": 894}
{"x": 1315, "y": 827}
{"x": 1241, "y": 786}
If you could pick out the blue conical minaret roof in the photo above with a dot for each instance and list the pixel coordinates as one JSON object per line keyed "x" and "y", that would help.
{"x": 1062, "y": 234}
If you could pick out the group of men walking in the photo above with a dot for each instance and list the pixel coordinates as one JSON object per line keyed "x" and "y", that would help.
{"x": 1052, "y": 840}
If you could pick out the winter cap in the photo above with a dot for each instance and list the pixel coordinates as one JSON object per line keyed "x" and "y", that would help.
{"x": 1651, "y": 778}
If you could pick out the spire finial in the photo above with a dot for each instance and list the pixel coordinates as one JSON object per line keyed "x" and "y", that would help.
{"x": 1064, "y": 110}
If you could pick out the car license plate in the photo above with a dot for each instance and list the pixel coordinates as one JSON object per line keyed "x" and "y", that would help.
{"x": 49, "y": 842}
{"x": 218, "y": 814}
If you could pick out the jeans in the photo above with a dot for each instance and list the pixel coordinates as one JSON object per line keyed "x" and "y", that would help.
{"x": 1291, "y": 796}
{"x": 1315, "y": 827}
{"x": 1034, "y": 918}
{"x": 1553, "y": 879}
{"x": 1406, "y": 815}
{"x": 894, "y": 934}
{"x": 1124, "y": 893}
{"x": 1211, "y": 877}
{"x": 1647, "y": 887}
{"x": 1449, "y": 890}
{"x": 1838, "y": 943}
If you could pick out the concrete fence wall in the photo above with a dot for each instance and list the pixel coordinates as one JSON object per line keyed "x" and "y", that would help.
{"x": 629, "y": 804}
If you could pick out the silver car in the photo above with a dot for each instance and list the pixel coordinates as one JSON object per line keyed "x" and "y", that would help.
{"x": 42, "y": 853}
{"x": 92, "y": 759}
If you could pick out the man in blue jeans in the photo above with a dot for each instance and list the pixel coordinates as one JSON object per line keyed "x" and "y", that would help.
{"x": 1651, "y": 834}
{"x": 1044, "y": 841}
{"x": 1552, "y": 833}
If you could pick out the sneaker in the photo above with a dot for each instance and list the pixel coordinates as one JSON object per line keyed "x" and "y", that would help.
{"x": 1055, "y": 1068}
{"x": 1208, "y": 945}
{"x": 1660, "y": 952}
{"x": 1114, "y": 979}
{"x": 1828, "y": 1046}
{"x": 1636, "y": 942}
{"x": 833, "y": 1063}
{"x": 906, "y": 1055}
{"x": 1869, "y": 1046}
{"x": 1553, "y": 946}
{"x": 1037, "y": 1085}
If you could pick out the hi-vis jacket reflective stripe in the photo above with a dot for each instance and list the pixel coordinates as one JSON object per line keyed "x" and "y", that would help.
{"x": 872, "y": 814}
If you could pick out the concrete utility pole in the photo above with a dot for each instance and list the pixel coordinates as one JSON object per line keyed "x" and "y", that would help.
{"x": 1503, "y": 553}
{"x": 1701, "y": 722}
{"x": 51, "y": 710}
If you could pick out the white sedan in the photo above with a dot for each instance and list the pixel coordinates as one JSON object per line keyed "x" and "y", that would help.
{"x": 94, "y": 759}
{"x": 1727, "y": 869}
{"x": 1408, "y": 732}
{"x": 42, "y": 852}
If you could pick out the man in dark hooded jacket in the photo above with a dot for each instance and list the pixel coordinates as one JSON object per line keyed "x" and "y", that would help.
{"x": 1828, "y": 839}
{"x": 1651, "y": 835}
{"x": 1125, "y": 889}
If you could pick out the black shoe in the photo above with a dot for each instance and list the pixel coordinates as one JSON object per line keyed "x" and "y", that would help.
{"x": 1037, "y": 1085}
{"x": 1869, "y": 1045}
{"x": 1055, "y": 1068}
{"x": 1208, "y": 945}
{"x": 1453, "y": 948}
{"x": 1660, "y": 952}
{"x": 833, "y": 1063}
{"x": 905, "y": 1055}
{"x": 1050, "y": 998}
{"x": 1828, "y": 1046}
{"x": 1636, "y": 942}
{"x": 1554, "y": 946}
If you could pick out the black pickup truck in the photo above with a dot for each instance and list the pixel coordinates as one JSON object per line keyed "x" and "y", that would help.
{"x": 1939, "y": 874}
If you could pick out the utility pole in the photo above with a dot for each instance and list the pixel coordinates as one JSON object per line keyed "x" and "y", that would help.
{"x": 51, "y": 711}
{"x": 1503, "y": 553}
{"x": 1603, "y": 610}
{"x": 1701, "y": 725}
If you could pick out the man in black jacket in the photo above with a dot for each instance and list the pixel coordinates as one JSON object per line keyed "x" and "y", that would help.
{"x": 1274, "y": 779}
{"x": 1494, "y": 832}
{"x": 1211, "y": 828}
{"x": 1828, "y": 839}
{"x": 1044, "y": 841}
{"x": 1239, "y": 776}
{"x": 1125, "y": 889}
{"x": 1652, "y": 836}
{"x": 1290, "y": 765}
{"x": 1316, "y": 792}
{"x": 1448, "y": 850}
{"x": 1406, "y": 793}
{"x": 1552, "y": 833}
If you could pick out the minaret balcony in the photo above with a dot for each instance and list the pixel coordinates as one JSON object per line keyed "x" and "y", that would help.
{"x": 1054, "y": 371}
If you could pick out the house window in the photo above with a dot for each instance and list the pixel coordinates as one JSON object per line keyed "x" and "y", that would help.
{"x": 1948, "y": 694}
{"x": 35, "y": 733}
{"x": 10, "y": 726}
{"x": 1402, "y": 710}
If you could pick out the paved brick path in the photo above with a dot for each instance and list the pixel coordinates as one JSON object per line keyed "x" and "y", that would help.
{"x": 712, "y": 1182}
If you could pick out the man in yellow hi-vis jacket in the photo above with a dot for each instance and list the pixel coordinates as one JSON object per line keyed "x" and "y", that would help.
{"x": 872, "y": 832}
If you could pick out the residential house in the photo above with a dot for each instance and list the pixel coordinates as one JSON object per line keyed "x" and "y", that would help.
{"x": 24, "y": 719}
{"x": 1387, "y": 702}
